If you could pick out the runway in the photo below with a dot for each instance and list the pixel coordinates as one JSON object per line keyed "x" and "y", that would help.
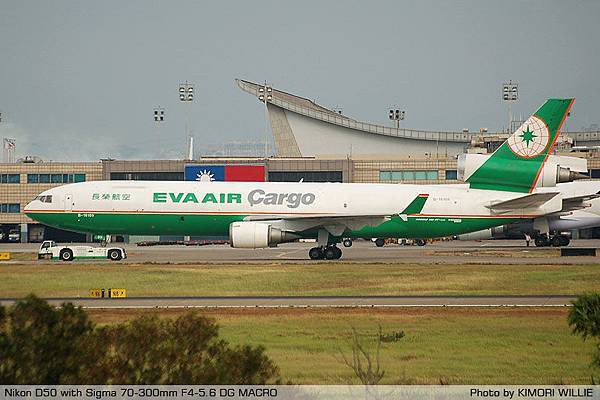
{"x": 452, "y": 252}
{"x": 314, "y": 301}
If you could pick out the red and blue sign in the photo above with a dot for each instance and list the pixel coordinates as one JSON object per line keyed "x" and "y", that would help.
{"x": 229, "y": 173}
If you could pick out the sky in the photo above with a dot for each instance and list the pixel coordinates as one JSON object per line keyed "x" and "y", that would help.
{"x": 79, "y": 80}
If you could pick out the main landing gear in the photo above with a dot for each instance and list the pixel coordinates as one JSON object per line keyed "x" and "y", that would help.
{"x": 327, "y": 249}
{"x": 330, "y": 252}
{"x": 554, "y": 240}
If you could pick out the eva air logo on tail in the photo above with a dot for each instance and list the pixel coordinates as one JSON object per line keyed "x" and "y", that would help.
{"x": 530, "y": 139}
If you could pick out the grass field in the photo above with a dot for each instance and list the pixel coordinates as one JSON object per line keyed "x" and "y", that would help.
{"x": 449, "y": 345}
{"x": 455, "y": 346}
{"x": 54, "y": 280}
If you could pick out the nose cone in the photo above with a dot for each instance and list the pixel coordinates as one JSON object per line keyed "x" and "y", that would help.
{"x": 36, "y": 208}
{"x": 31, "y": 206}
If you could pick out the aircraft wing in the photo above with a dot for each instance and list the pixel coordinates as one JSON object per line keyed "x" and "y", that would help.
{"x": 337, "y": 224}
{"x": 533, "y": 200}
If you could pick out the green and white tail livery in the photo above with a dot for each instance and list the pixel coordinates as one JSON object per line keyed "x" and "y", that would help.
{"x": 517, "y": 164}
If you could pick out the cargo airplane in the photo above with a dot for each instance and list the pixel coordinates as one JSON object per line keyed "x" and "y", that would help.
{"x": 516, "y": 182}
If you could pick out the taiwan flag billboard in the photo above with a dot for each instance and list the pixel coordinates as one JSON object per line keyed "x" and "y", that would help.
{"x": 229, "y": 173}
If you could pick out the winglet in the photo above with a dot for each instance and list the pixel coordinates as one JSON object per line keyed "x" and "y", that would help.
{"x": 416, "y": 205}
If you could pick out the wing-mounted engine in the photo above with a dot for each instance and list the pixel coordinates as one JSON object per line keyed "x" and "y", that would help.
{"x": 557, "y": 169}
{"x": 254, "y": 235}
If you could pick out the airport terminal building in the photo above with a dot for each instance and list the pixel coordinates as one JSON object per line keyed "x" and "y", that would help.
{"x": 299, "y": 126}
{"x": 22, "y": 181}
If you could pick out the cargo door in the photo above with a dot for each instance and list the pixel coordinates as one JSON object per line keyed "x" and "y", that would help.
{"x": 68, "y": 202}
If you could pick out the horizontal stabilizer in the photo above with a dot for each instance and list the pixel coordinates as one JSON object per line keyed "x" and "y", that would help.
{"x": 530, "y": 201}
{"x": 579, "y": 202}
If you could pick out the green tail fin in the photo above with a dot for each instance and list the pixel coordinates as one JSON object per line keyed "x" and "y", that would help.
{"x": 518, "y": 162}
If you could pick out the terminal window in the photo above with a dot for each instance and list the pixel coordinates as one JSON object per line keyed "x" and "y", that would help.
{"x": 146, "y": 176}
{"x": 407, "y": 175}
{"x": 305, "y": 176}
{"x": 10, "y": 178}
{"x": 451, "y": 174}
{"x": 10, "y": 208}
{"x": 55, "y": 178}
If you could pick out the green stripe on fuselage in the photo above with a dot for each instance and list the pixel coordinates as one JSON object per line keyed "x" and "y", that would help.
{"x": 218, "y": 224}
{"x": 140, "y": 223}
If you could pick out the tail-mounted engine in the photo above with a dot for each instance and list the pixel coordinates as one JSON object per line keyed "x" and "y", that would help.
{"x": 557, "y": 169}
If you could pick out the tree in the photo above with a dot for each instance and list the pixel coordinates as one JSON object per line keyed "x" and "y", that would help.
{"x": 40, "y": 344}
{"x": 365, "y": 366}
{"x": 584, "y": 318}
{"x": 186, "y": 350}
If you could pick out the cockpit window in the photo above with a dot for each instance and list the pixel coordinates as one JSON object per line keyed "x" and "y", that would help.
{"x": 45, "y": 199}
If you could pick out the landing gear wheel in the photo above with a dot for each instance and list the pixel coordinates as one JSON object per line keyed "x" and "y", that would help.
{"x": 555, "y": 241}
{"x": 347, "y": 242}
{"x": 315, "y": 253}
{"x": 331, "y": 253}
{"x": 420, "y": 242}
{"x": 541, "y": 241}
{"x": 66, "y": 255}
{"x": 114, "y": 255}
{"x": 564, "y": 240}
{"x": 379, "y": 242}
{"x": 338, "y": 252}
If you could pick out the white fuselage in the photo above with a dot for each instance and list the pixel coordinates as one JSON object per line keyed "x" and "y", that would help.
{"x": 207, "y": 208}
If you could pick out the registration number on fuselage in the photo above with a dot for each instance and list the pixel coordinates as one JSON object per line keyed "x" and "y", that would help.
{"x": 85, "y": 215}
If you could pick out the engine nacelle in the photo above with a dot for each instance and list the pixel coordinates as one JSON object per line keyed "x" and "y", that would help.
{"x": 254, "y": 235}
{"x": 558, "y": 169}
{"x": 479, "y": 235}
{"x": 496, "y": 232}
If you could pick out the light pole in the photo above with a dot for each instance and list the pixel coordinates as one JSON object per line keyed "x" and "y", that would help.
{"x": 159, "y": 117}
{"x": 186, "y": 95}
{"x": 397, "y": 115}
{"x": 265, "y": 94}
{"x": 510, "y": 93}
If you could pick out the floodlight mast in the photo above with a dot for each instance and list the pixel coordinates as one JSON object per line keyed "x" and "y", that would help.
{"x": 186, "y": 96}
{"x": 510, "y": 93}
{"x": 396, "y": 115}
{"x": 159, "y": 117}
{"x": 265, "y": 95}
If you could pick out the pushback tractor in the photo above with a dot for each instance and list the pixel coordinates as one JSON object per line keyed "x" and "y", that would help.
{"x": 51, "y": 250}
